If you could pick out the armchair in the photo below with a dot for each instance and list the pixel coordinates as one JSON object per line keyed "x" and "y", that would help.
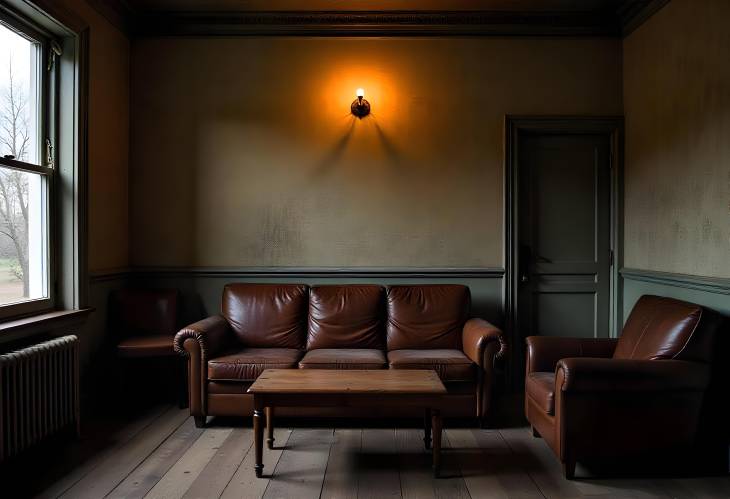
{"x": 640, "y": 394}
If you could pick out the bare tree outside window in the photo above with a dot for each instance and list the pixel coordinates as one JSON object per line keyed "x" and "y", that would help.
{"x": 20, "y": 196}
{"x": 14, "y": 138}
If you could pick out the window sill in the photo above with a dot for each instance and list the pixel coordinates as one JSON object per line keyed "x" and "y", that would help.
{"x": 42, "y": 323}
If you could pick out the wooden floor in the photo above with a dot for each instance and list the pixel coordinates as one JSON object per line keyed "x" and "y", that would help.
{"x": 162, "y": 455}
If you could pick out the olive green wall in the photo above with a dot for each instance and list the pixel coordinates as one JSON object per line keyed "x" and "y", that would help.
{"x": 677, "y": 167}
{"x": 244, "y": 153}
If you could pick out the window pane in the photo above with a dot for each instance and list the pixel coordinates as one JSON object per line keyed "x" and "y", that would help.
{"x": 23, "y": 244}
{"x": 19, "y": 97}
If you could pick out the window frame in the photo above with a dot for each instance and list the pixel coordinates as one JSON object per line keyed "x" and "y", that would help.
{"x": 48, "y": 118}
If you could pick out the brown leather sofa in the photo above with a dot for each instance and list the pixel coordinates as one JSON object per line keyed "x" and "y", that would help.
{"x": 639, "y": 395}
{"x": 293, "y": 326}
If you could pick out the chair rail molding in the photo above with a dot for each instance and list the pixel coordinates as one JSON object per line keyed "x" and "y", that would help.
{"x": 719, "y": 285}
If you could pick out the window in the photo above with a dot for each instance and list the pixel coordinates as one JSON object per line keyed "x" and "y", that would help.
{"x": 27, "y": 121}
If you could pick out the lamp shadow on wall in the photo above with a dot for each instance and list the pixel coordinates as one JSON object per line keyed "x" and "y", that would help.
{"x": 335, "y": 153}
{"x": 391, "y": 150}
{"x": 332, "y": 159}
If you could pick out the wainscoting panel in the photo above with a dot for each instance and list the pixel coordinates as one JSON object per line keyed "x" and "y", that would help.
{"x": 202, "y": 288}
{"x": 711, "y": 292}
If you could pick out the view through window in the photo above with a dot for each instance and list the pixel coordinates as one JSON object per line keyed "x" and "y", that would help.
{"x": 23, "y": 174}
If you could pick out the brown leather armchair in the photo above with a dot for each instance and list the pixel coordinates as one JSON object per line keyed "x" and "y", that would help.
{"x": 641, "y": 394}
{"x": 144, "y": 322}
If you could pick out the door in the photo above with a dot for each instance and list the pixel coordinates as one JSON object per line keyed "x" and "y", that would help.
{"x": 563, "y": 248}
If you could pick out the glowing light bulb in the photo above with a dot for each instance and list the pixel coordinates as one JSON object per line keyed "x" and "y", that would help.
{"x": 360, "y": 93}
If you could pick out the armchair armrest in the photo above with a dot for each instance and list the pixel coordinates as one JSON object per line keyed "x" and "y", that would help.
{"x": 586, "y": 375}
{"x": 476, "y": 335}
{"x": 211, "y": 335}
{"x": 544, "y": 352}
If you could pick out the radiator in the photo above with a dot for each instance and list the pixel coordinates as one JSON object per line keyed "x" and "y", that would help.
{"x": 39, "y": 393}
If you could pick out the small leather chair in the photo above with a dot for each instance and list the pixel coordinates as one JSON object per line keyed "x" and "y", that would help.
{"x": 639, "y": 395}
{"x": 145, "y": 322}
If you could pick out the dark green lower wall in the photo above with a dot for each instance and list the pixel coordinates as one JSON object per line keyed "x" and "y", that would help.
{"x": 713, "y": 293}
{"x": 201, "y": 291}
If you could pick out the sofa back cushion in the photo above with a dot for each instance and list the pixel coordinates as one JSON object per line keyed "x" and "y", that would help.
{"x": 267, "y": 315}
{"x": 428, "y": 316}
{"x": 349, "y": 316}
{"x": 663, "y": 328}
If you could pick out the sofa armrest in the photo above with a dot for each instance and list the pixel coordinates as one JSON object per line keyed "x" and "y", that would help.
{"x": 211, "y": 334}
{"x": 476, "y": 335}
{"x": 544, "y": 352}
{"x": 586, "y": 375}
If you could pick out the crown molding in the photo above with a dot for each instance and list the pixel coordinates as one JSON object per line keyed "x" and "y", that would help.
{"x": 626, "y": 18}
{"x": 383, "y": 23}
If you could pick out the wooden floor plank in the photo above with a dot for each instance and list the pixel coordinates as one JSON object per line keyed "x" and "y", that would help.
{"x": 711, "y": 487}
{"x": 184, "y": 472}
{"x": 120, "y": 463}
{"x": 415, "y": 468}
{"x": 340, "y": 480}
{"x": 83, "y": 456}
{"x": 488, "y": 467}
{"x": 244, "y": 484}
{"x": 378, "y": 475}
{"x": 540, "y": 463}
{"x": 151, "y": 471}
{"x": 215, "y": 476}
{"x": 414, "y": 465}
{"x": 452, "y": 483}
{"x": 301, "y": 468}
{"x": 554, "y": 482}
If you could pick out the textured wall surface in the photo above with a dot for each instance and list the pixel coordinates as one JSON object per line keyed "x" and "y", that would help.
{"x": 677, "y": 107}
{"x": 244, "y": 152}
{"x": 108, "y": 140}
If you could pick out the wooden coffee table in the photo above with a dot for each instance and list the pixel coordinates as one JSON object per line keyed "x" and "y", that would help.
{"x": 347, "y": 388}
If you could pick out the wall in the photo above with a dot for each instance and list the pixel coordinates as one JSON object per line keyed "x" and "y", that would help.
{"x": 677, "y": 173}
{"x": 108, "y": 168}
{"x": 265, "y": 166}
{"x": 677, "y": 107}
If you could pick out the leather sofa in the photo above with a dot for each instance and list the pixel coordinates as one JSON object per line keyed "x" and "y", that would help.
{"x": 640, "y": 395}
{"x": 294, "y": 326}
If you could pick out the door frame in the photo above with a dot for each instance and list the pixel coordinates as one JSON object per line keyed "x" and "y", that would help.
{"x": 513, "y": 127}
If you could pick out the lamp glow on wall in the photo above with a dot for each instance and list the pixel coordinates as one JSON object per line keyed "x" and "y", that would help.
{"x": 360, "y": 107}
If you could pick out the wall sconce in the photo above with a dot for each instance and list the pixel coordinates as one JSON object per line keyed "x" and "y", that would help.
{"x": 360, "y": 107}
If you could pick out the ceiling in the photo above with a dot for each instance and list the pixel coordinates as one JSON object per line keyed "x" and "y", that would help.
{"x": 378, "y": 17}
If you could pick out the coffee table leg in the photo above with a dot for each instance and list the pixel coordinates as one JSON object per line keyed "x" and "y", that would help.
{"x": 427, "y": 428}
{"x": 270, "y": 427}
{"x": 258, "y": 432}
{"x": 436, "y": 442}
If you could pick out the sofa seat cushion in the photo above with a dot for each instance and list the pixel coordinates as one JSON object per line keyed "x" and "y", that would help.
{"x": 540, "y": 387}
{"x": 451, "y": 365}
{"x": 146, "y": 346}
{"x": 248, "y": 363}
{"x": 344, "y": 358}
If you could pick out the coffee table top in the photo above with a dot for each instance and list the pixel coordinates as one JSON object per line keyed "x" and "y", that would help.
{"x": 385, "y": 381}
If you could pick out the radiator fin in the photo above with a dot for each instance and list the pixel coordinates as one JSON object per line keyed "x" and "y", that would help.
{"x": 40, "y": 393}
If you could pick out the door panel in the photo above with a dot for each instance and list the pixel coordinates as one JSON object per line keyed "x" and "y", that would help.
{"x": 564, "y": 220}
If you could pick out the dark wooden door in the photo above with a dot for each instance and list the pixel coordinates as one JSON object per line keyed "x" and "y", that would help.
{"x": 564, "y": 252}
